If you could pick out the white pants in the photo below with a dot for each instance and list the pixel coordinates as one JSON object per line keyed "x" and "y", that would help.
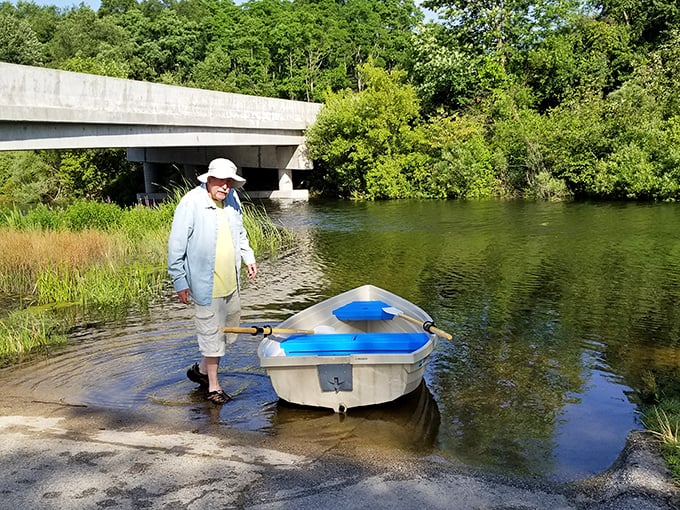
{"x": 210, "y": 319}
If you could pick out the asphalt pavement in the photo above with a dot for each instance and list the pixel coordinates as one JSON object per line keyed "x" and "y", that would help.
{"x": 55, "y": 455}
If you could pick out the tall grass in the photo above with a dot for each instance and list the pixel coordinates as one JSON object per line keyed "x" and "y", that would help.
{"x": 663, "y": 420}
{"x": 97, "y": 256}
{"x": 98, "y": 286}
{"x": 264, "y": 235}
{"x": 23, "y": 333}
{"x": 26, "y": 254}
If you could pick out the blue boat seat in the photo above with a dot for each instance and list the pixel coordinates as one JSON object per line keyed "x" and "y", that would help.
{"x": 363, "y": 311}
{"x": 343, "y": 344}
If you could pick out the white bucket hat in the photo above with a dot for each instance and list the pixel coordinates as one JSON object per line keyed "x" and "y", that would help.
{"x": 222, "y": 168}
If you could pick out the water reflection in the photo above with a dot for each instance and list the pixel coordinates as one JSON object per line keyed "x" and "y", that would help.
{"x": 592, "y": 426}
{"x": 564, "y": 318}
{"x": 411, "y": 422}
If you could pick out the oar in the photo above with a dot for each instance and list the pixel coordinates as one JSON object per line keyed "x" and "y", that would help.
{"x": 267, "y": 330}
{"x": 427, "y": 326}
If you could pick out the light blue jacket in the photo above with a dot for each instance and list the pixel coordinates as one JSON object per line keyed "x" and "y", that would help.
{"x": 193, "y": 239}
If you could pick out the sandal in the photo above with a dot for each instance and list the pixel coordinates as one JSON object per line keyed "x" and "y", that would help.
{"x": 218, "y": 397}
{"x": 195, "y": 375}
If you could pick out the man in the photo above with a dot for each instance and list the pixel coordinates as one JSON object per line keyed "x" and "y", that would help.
{"x": 207, "y": 243}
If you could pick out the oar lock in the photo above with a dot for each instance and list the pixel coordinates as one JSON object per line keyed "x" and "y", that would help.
{"x": 428, "y": 325}
{"x": 262, "y": 330}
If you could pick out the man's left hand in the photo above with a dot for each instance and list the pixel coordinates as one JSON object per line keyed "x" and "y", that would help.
{"x": 252, "y": 270}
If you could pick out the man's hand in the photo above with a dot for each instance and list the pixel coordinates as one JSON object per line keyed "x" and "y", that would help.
{"x": 252, "y": 270}
{"x": 183, "y": 296}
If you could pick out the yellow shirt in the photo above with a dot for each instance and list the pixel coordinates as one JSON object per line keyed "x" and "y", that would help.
{"x": 225, "y": 261}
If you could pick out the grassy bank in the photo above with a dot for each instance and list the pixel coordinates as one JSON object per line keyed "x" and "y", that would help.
{"x": 23, "y": 333}
{"x": 663, "y": 420}
{"x": 96, "y": 257}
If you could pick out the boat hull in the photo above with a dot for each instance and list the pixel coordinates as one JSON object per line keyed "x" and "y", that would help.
{"x": 360, "y": 362}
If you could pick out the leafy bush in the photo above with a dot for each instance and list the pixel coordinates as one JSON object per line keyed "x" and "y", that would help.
{"x": 545, "y": 186}
{"x": 19, "y": 44}
{"x": 84, "y": 214}
{"x": 43, "y": 217}
{"x": 462, "y": 158}
{"x": 444, "y": 73}
{"x": 26, "y": 178}
{"x": 362, "y": 141}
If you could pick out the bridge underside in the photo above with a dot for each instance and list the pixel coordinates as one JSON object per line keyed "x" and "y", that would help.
{"x": 271, "y": 171}
{"x": 164, "y": 127}
{"x": 189, "y": 149}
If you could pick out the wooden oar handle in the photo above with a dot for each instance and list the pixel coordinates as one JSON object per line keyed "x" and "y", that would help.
{"x": 428, "y": 326}
{"x": 439, "y": 332}
{"x": 252, "y": 330}
{"x": 266, "y": 330}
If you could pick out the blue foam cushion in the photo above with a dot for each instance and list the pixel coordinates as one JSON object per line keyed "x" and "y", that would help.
{"x": 363, "y": 311}
{"x": 343, "y": 344}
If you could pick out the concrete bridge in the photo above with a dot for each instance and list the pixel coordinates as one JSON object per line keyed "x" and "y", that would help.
{"x": 162, "y": 126}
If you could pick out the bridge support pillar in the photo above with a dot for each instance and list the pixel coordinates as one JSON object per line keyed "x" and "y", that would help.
{"x": 151, "y": 171}
{"x": 285, "y": 179}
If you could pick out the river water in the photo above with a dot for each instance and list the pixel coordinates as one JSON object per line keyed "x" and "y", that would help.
{"x": 564, "y": 318}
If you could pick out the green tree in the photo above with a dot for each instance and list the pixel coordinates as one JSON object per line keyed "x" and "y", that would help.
{"x": 93, "y": 174}
{"x": 624, "y": 145}
{"x": 365, "y": 143}
{"x": 82, "y": 35}
{"x": 169, "y": 45}
{"x": 518, "y": 133}
{"x": 574, "y": 138}
{"x": 134, "y": 25}
{"x": 19, "y": 44}
{"x": 237, "y": 56}
{"x": 650, "y": 22}
{"x": 27, "y": 178}
{"x": 305, "y": 42}
{"x": 500, "y": 28}
{"x": 108, "y": 7}
{"x": 463, "y": 159}
{"x": 587, "y": 57}
{"x": 299, "y": 49}
{"x": 445, "y": 74}
{"x": 92, "y": 65}
{"x": 379, "y": 31}
{"x": 42, "y": 19}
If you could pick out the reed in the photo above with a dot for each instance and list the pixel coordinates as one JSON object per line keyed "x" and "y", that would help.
{"x": 25, "y": 255}
{"x": 266, "y": 237}
{"x": 23, "y": 333}
{"x": 97, "y": 257}
{"x": 663, "y": 421}
{"x": 666, "y": 428}
{"x": 100, "y": 286}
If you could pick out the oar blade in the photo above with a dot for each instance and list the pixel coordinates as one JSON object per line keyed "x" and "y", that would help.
{"x": 427, "y": 326}
{"x": 392, "y": 311}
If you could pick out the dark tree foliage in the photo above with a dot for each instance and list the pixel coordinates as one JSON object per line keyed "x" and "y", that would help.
{"x": 650, "y": 22}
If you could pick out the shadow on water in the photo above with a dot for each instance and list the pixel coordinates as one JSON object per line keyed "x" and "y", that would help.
{"x": 564, "y": 318}
{"x": 410, "y": 422}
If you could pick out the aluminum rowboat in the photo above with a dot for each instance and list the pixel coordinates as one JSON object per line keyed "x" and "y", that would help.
{"x": 359, "y": 354}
